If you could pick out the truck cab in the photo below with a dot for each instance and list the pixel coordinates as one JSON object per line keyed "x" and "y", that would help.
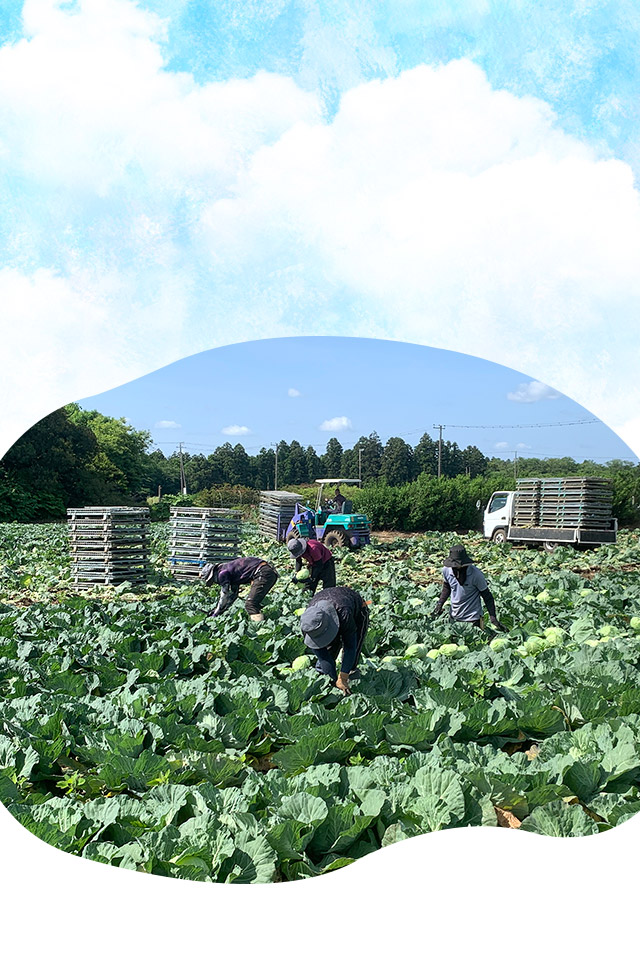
{"x": 497, "y": 516}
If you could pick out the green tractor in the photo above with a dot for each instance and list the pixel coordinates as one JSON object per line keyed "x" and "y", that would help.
{"x": 332, "y": 522}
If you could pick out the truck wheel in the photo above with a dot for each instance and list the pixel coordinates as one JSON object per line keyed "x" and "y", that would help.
{"x": 499, "y": 536}
{"x": 550, "y": 546}
{"x": 336, "y": 538}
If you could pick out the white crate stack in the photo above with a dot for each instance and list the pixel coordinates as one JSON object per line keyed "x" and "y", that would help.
{"x": 109, "y": 545}
{"x": 198, "y": 535}
{"x": 276, "y": 510}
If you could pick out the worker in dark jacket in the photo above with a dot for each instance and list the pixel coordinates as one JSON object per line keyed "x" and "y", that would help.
{"x": 466, "y": 586}
{"x": 230, "y": 575}
{"x": 336, "y": 618}
{"x": 319, "y": 559}
{"x": 338, "y": 500}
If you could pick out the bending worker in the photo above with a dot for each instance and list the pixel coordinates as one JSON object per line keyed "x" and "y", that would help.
{"x": 319, "y": 559}
{"x": 466, "y": 585}
{"x": 336, "y": 618}
{"x": 230, "y": 575}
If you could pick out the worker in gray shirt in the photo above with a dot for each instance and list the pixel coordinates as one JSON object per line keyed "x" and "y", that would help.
{"x": 466, "y": 586}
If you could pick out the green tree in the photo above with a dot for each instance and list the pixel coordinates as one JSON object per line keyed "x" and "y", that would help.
{"x": 474, "y": 462}
{"x": 240, "y": 466}
{"x": 49, "y": 468}
{"x": 349, "y": 464}
{"x": 332, "y": 459}
{"x": 368, "y": 453}
{"x": 426, "y": 455}
{"x": 223, "y": 460}
{"x": 264, "y": 468}
{"x": 294, "y": 469}
{"x": 121, "y": 460}
{"x": 397, "y": 465}
{"x": 314, "y": 468}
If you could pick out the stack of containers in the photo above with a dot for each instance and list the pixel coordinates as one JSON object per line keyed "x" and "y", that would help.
{"x": 526, "y": 507}
{"x": 577, "y": 502}
{"x": 275, "y": 513}
{"x": 198, "y": 535}
{"x": 109, "y": 545}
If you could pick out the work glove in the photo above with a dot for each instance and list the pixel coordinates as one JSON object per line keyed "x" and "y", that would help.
{"x": 437, "y": 611}
{"x": 293, "y": 577}
{"x": 497, "y": 624}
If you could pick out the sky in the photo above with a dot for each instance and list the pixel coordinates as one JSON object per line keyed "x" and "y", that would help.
{"x": 176, "y": 175}
{"x": 314, "y": 388}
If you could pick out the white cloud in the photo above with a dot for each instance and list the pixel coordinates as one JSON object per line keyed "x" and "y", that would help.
{"x": 167, "y": 424}
{"x": 235, "y": 430}
{"x": 501, "y": 445}
{"x": 114, "y": 108}
{"x": 629, "y": 432}
{"x": 293, "y": 393}
{"x": 533, "y": 391}
{"x": 337, "y": 424}
{"x": 522, "y": 445}
{"x": 431, "y": 208}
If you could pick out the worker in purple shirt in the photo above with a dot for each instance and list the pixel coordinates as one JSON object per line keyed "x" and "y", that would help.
{"x": 230, "y": 575}
{"x": 319, "y": 559}
{"x": 466, "y": 586}
{"x": 336, "y": 619}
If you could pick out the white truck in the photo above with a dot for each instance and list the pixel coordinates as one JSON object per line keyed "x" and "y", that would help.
{"x": 550, "y": 512}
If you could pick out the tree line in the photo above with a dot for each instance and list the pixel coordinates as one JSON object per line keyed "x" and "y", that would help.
{"x": 75, "y": 458}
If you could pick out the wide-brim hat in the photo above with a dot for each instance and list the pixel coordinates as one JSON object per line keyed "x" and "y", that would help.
{"x": 297, "y": 546}
{"x": 320, "y": 625}
{"x": 209, "y": 573}
{"x": 458, "y": 557}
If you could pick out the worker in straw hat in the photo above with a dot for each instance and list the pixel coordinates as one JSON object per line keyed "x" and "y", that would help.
{"x": 317, "y": 556}
{"x": 230, "y": 575}
{"x": 336, "y": 618}
{"x": 466, "y": 586}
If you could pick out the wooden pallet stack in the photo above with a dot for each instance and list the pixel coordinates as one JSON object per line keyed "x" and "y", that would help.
{"x": 576, "y": 502}
{"x": 275, "y": 512}
{"x": 109, "y": 545}
{"x": 526, "y": 507}
{"x": 198, "y": 535}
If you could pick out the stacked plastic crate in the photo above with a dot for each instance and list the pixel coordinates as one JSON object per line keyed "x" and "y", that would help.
{"x": 198, "y": 535}
{"x": 526, "y": 507}
{"x": 109, "y": 545}
{"x": 576, "y": 502}
{"x": 276, "y": 510}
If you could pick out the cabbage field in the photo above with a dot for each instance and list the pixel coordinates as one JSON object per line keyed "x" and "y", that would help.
{"x": 139, "y": 732}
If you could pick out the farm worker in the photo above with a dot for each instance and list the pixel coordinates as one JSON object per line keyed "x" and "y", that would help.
{"x": 230, "y": 575}
{"x": 338, "y": 500}
{"x": 336, "y": 618}
{"x": 320, "y": 561}
{"x": 466, "y": 585}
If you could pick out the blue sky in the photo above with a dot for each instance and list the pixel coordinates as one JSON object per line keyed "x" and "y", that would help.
{"x": 311, "y": 389}
{"x": 176, "y": 175}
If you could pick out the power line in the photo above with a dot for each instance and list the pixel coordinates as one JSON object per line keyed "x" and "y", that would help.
{"x": 519, "y": 425}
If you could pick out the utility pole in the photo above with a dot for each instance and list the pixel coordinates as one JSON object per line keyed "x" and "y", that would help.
{"x": 275, "y": 482}
{"x": 440, "y": 427}
{"x": 360, "y": 465}
{"x": 183, "y": 479}
{"x": 515, "y": 464}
